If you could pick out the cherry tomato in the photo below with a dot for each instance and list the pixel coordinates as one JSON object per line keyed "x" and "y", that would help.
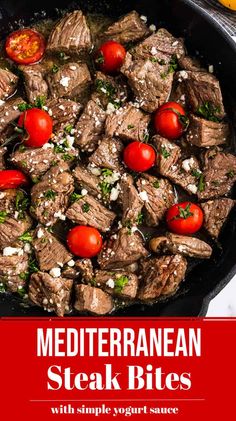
{"x": 170, "y": 120}
{"x": 38, "y": 127}
{"x": 184, "y": 218}
{"x": 84, "y": 241}
{"x": 11, "y": 179}
{"x": 139, "y": 156}
{"x": 25, "y": 46}
{"x": 110, "y": 57}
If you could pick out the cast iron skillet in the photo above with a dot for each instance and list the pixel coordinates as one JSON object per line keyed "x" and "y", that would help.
{"x": 207, "y": 38}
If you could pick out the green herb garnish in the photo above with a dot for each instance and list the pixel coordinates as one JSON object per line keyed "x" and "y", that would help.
{"x": 50, "y": 194}
{"x": 120, "y": 283}
{"x": 230, "y": 174}
{"x": 55, "y": 68}
{"x": 130, "y": 126}
{"x": 68, "y": 128}
{"x": 40, "y": 102}
{"x": 33, "y": 268}
{"x": 21, "y": 291}
{"x": 24, "y": 107}
{"x": 3, "y": 215}
{"x": 105, "y": 189}
{"x": 2, "y": 288}
{"x": 22, "y": 148}
{"x": 100, "y": 58}
{"x": 21, "y": 203}
{"x": 67, "y": 157}
{"x": 164, "y": 152}
{"x": 106, "y": 172}
{"x": 208, "y": 111}
{"x": 201, "y": 183}
{"x": 74, "y": 197}
{"x": 156, "y": 184}
{"x": 140, "y": 218}
{"x": 85, "y": 207}
{"x": 26, "y": 237}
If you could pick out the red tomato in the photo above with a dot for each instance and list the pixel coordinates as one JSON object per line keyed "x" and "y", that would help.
{"x": 84, "y": 241}
{"x": 184, "y": 218}
{"x": 37, "y": 125}
{"x": 110, "y": 57}
{"x": 170, "y": 120}
{"x": 25, "y": 46}
{"x": 11, "y": 179}
{"x": 139, "y": 156}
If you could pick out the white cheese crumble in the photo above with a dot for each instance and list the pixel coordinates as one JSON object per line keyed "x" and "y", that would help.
{"x": 47, "y": 146}
{"x": 192, "y": 188}
{"x": 211, "y": 68}
{"x": 152, "y": 28}
{"x": 71, "y": 263}
{"x": 110, "y": 283}
{"x": 188, "y": 164}
{"x": 115, "y": 191}
{"x": 143, "y": 18}
{"x": 11, "y": 251}
{"x": 55, "y": 272}
{"x": 65, "y": 81}
{"x": 143, "y": 195}
{"x": 154, "y": 51}
{"x": 59, "y": 215}
{"x": 27, "y": 248}
{"x": 40, "y": 233}
{"x": 84, "y": 192}
{"x": 110, "y": 108}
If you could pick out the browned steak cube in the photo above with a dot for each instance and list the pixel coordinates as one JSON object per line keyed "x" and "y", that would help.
{"x": 2, "y": 160}
{"x": 85, "y": 268}
{"x": 70, "y": 81}
{"x": 185, "y": 173}
{"x": 8, "y": 200}
{"x": 90, "y": 127}
{"x": 9, "y": 112}
{"x": 203, "y": 88}
{"x": 109, "y": 90}
{"x": 64, "y": 113}
{"x": 70, "y": 35}
{"x": 50, "y": 252}
{"x": 131, "y": 202}
{"x": 181, "y": 244}
{"x": 8, "y": 82}
{"x": 150, "y": 81}
{"x": 129, "y": 123}
{"x": 215, "y": 214}
{"x": 204, "y": 133}
{"x": 86, "y": 180}
{"x": 122, "y": 249}
{"x": 191, "y": 64}
{"x": 53, "y": 294}
{"x": 13, "y": 270}
{"x": 161, "y": 276}
{"x": 219, "y": 175}
{"x": 158, "y": 196}
{"x": 108, "y": 153}
{"x": 129, "y": 28}
{"x": 88, "y": 211}
{"x": 120, "y": 283}
{"x": 12, "y": 228}
{"x": 50, "y": 196}
{"x": 93, "y": 300}
{"x": 35, "y": 84}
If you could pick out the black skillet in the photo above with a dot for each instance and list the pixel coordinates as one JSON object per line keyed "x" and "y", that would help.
{"x": 204, "y": 36}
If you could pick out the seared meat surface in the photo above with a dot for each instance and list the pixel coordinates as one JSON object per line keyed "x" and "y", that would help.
{"x": 130, "y": 28}
{"x": 181, "y": 244}
{"x": 92, "y": 300}
{"x": 215, "y": 214}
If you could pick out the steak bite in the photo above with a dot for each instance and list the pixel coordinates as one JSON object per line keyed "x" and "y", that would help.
{"x": 107, "y": 155}
{"x": 34, "y": 81}
{"x": 129, "y": 123}
{"x": 191, "y": 64}
{"x": 9, "y": 112}
{"x": 109, "y": 89}
{"x": 86, "y": 180}
{"x": 90, "y": 127}
{"x": 70, "y": 81}
{"x": 150, "y": 81}
{"x": 203, "y": 88}
{"x": 131, "y": 202}
{"x": 12, "y": 228}
{"x": 88, "y": 211}
{"x": 118, "y": 283}
{"x": 13, "y": 269}
{"x": 215, "y": 214}
{"x": 161, "y": 276}
{"x": 93, "y": 300}
{"x": 50, "y": 253}
{"x": 53, "y": 294}
{"x": 50, "y": 196}
{"x": 204, "y": 133}
{"x": 85, "y": 268}
{"x": 185, "y": 173}
{"x": 181, "y": 244}
{"x": 129, "y": 28}
{"x": 70, "y": 35}
{"x": 8, "y": 82}
{"x": 3, "y": 150}
{"x": 64, "y": 113}
{"x": 122, "y": 249}
{"x": 8, "y": 200}
{"x": 219, "y": 174}
{"x": 158, "y": 196}
{"x": 159, "y": 43}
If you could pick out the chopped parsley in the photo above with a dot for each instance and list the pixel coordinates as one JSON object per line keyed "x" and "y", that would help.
{"x": 24, "y": 276}
{"x": 146, "y": 137}
{"x": 106, "y": 172}
{"x": 120, "y": 283}
{"x": 100, "y": 58}
{"x": 93, "y": 282}
{"x": 62, "y": 55}
{"x": 156, "y": 184}
{"x": 173, "y": 66}
{"x": 24, "y": 107}
{"x": 105, "y": 87}
{"x": 50, "y": 194}
{"x": 105, "y": 189}
{"x": 3, "y": 215}
{"x": 140, "y": 218}
{"x": 20, "y": 290}
{"x": 208, "y": 111}
{"x": 127, "y": 224}
{"x": 230, "y": 174}
{"x": 74, "y": 197}
{"x": 130, "y": 126}
{"x": 21, "y": 203}
{"x": 22, "y": 148}
{"x": 164, "y": 152}
{"x": 2, "y": 288}
{"x": 67, "y": 157}
{"x": 85, "y": 207}
{"x": 55, "y": 68}
{"x": 33, "y": 268}
{"x": 216, "y": 183}
{"x": 68, "y": 128}
{"x": 201, "y": 183}
{"x": 158, "y": 60}
{"x": 27, "y": 237}
{"x": 40, "y": 101}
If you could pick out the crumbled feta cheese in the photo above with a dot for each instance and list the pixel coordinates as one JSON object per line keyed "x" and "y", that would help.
{"x": 73, "y": 67}
{"x": 143, "y": 195}
{"x": 55, "y": 272}
{"x": 143, "y": 18}
{"x": 211, "y": 68}
{"x": 65, "y": 81}
{"x": 11, "y": 251}
{"x": 84, "y": 192}
{"x": 70, "y": 140}
{"x": 47, "y": 146}
{"x": 27, "y": 248}
{"x": 183, "y": 74}
{"x": 188, "y": 164}
{"x": 153, "y": 51}
{"x": 152, "y": 28}
{"x": 192, "y": 188}
{"x": 110, "y": 283}
{"x": 2, "y": 195}
{"x": 2, "y": 103}
{"x": 59, "y": 215}
{"x": 71, "y": 263}
{"x": 115, "y": 191}
{"x": 95, "y": 171}
{"x": 110, "y": 108}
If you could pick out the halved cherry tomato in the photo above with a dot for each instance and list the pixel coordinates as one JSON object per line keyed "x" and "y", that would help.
{"x": 37, "y": 127}
{"x": 184, "y": 218}
{"x": 84, "y": 241}
{"x": 25, "y": 46}
{"x": 110, "y": 57}
{"x": 11, "y": 179}
{"x": 170, "y": 120}
{"x": 139, "y": 156}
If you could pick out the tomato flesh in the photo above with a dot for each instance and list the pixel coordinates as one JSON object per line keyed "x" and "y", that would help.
{"x": 139, "y": 156}
{"x": 184, "y": 218}
{"x": 110, "y": 57}
{"x": 84, "y": 241}
{"x": 37, "y": 125}
{"x": 11, "y": 179}
{"x": 25, "y": 46}
{"x": 167, "y": 120}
